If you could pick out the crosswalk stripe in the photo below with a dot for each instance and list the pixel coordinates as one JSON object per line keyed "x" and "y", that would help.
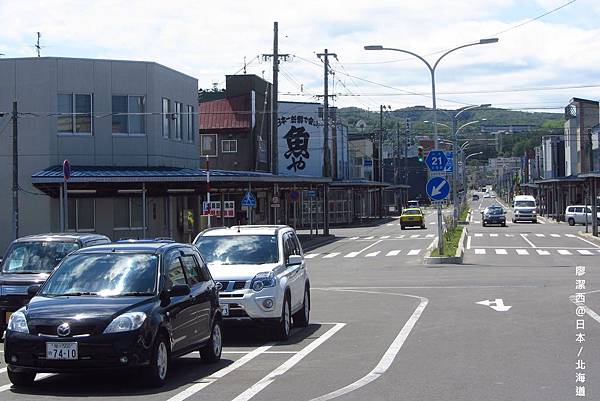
{"x": 509, "y": 235}
{"x": 415, "y": 236}
{"x": 432, "y": 223}
{"x": 478, "y": 234}
{"x": 564, "y": 252}
{"x": 430, "y": 236}
{"x": 353, "y": 238}
{"x": 401, "y": 236}
{"x": 584, "y": 252}
{"x": 413, "y": 252}
{"x": 522, "y": 252}
{"x": 385, "y": 237}
{"x": 501, "y": 252}
{"x": 540, "y": 235}
{"x": 393, "y": 253}
{"x": 479, "y": 251}
{"x": 370, "y": 255}
{"x": 542, "y": 252}
{"x": 351, "y": 255}
{"x": 311, "y": 255}
{"x": 555, "y": 235}
{"x": 493, "y": 235}
{"x": 331, "y": 255}
{"x": 570, "y": 235}
{"x": 476, "y": 221}
{"x": 389, "y": 224}
{"x": 371, "y": 237}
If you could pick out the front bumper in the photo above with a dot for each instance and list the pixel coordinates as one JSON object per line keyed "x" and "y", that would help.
{"x": 246, "y": 304}
{"x": 525, "y": 216}
{"x": 95, "y": 352}
{"x": 492, "y": 220}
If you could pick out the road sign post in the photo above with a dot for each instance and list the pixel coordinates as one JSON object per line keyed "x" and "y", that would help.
{"x": 66, "y": 176}
{"x": 438, "y": 188}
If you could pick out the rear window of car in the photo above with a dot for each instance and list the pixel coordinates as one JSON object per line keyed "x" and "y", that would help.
{"x": 36, "y": 256}
{"x": 412, "y": 212}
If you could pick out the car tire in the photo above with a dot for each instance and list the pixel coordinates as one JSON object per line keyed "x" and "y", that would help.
{"x": 211, "y": 352}
{"x": 503, "y": 224}
{"x": 534, "y": 221}
{"x": 422, "y": 226}
{"x": 571, "y": 221}
{"x": 483, "y": 224}
{"x": 159, "y": 362}
{"x": 284, "y": 327}
{"x": 514, "y": 221}
{"x": 21, "y": 378}
{"x": 302, "y": 317}
{"x": 402, "y": 227}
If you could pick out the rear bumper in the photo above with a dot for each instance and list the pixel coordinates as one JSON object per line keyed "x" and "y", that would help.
{"x": 411, "y": 223}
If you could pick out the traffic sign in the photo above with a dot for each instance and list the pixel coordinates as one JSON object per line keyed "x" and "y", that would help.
{"x": 368, "y": 163}
{"x": 312, "y": 194}
{"x": 275, "y": 201}
{"x": 249, "y": 200}
{"x": 438, "y": 188}
{"x": 450, "y": 162}
{"x": 436, "y": 160}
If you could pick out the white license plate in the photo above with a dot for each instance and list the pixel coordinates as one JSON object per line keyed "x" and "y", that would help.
{"x": 61, "y": 351}
{"x": 225, "y": 309}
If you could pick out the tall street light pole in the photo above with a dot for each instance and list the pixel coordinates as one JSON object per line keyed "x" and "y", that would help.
{"x": 432, "y": 71}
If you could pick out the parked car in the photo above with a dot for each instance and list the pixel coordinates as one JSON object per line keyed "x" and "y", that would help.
{"x": 576, "y": 214}
{"x": 475, "y": 197}
{"x": 524, "y": 209}
{"x": 494, "y": 214}
{"x": 261, "y": 273}
{"x": 412, "y": 217}
{"x": 29, "y": 260}
{"x": 117, "y": 306}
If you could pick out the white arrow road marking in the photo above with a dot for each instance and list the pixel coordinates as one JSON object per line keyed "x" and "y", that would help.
{"x": 393, "y": 253}
{"x": 497, "y": 305}
{"x": 438, "y": 190}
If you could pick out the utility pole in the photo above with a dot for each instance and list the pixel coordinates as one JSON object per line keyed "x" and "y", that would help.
{"x": 406, "y": 135}
{"x": 397, "y": 164}
{"x": 15, "y": 183}
{"x": 326, "y": 156}
{"x": 380, "y": 164}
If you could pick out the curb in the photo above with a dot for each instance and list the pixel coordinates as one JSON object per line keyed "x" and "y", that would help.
{"x": 457, "y": 259}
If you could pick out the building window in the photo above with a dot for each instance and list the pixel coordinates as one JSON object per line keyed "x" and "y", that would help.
{"x": 178, "y": 121}
{"x": 74, "y": 113}
{"x": 128, "y": 115}
{"x": 82, "y": 213}
{"x": 128, "y": 213}
{"x": 166, "y": 118}
{"x": 208, "y": 145}
{"x": 190, "y": 123}
{"x": 229, "y": 145}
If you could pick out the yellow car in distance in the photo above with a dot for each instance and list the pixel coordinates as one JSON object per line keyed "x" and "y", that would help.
{"x": 412, "y": 217}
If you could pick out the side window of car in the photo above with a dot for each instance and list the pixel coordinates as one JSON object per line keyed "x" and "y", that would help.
{"x": 191, "y": 270}
{"x": 578, "y": 210}
{"x": 175, "y": 269}
{"x": 297, "y": 243}
{"x": 287, "y": 250}
{"x": 204, "y": 272}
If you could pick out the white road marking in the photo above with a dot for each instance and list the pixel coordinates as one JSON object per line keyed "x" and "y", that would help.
{"x": 493, "y": 235}
{"x": 469, "y": 242}
{"x": 401, "y": 236}
{"x": 432, "y": 223}
{"x": 478, "y": 234}
{"x": 394, "y": 253}
{"x": 413, "y": 252}
{"x": 476, "y": 221}
{"x": 555, "y": 235}
{"x": 311, "y": 255}
{"x": 415, "y": 236}
{"x": 584, "y": 252}
{"x": 541, "y": 221}
{"x": 370, "y": 255}
{"x": 331, "y": 255}
{"x": 501, "y": 251}
{"x": 430, "y": 236}
{"x": 384, "y": 237}
{"x": 522, "y": 252}
{"x": 356, "y": 253}
{"x": 287, "y": 365}
{"x": 354, "y": 238}
{"x": 479, "y": 251}
{"x": 540, "y": 235}
{"x": 589, "y": 311}
{"x": 563, "y": 252}
{"x": 389, "y": 224}
{"x": 542, "y": 252}
{"x": 524, "y": 236}
{"x": 586, "y": 241}
{"x": 388, "y": 357}
{"x": 570, "y": 235}
{"x": 509, "y": 235}
{"x": 193, "y": 389}
{"x": 371, "y": 237}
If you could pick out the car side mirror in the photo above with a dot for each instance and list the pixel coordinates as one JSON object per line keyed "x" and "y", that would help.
{"x": 294, "y": 260}
{"x": 179, "y": 290}
{"x": 33, "y": 289}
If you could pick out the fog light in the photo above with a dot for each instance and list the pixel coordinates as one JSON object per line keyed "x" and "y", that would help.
{"x": 14, "y": 359}
{"x": 123, "y": 360}
{"x": 268, "y": 303}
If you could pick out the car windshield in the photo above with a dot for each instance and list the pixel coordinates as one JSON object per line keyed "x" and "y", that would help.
{"x": 495, "y": 211}
{"x": 412, "y": 212}
{"x": 36, "y": 256}
{"x": 111, "y": 274}
{"x": 239, "y": 249}
{"x": 524, "y": 203}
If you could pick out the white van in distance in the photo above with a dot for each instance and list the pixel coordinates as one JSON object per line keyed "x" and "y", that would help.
{"x": 524, "y": 209}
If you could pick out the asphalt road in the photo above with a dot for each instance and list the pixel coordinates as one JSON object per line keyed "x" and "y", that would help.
{"x": 387, "y": 327}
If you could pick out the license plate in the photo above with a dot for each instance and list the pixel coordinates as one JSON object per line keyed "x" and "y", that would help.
{"x": 8, "y": 314}
{"x": 61, "y": 351}
{"x": 225, "y": 309}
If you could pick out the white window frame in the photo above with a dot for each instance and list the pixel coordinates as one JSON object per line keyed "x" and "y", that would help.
{"x": 129, "y": 133}
{"x": 178, "y": 121}
{"x": 131, "y": 227}
{"x": 202, "y": 145}
{"x": 229, "y": 142}
{"x": 82, "y": 230}
{"x": 191, "y": 134}
{"x": 166, "y": 118}
{"x": 73, "y": 115}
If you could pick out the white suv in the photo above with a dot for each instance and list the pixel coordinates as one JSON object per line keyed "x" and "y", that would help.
{"x": 576, "y": 214}
{"x": 261, "y": 273}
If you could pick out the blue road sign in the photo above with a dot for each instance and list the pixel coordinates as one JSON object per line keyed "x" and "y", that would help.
{"x": 436, "y": 160}
{"x": 449, "y": 163}
{"x": 249, "y": 200}
{"x": 312, "y": 194}
{"x": 368, "y": 163}
{"x": 438, "y": 188}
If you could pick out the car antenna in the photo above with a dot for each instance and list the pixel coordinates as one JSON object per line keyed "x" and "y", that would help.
{"x": 238, "y": 227}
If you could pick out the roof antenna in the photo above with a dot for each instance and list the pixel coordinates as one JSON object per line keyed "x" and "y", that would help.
{"x": 239, "y": 223}
{"x": 37, "y": 46}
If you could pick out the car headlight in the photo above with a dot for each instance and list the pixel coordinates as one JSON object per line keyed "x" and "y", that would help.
{"x": 18, "y": 323}
{"x": 262, "y": 280}
{"x": 534, "y": 212}
{"x": 126, "y": 322}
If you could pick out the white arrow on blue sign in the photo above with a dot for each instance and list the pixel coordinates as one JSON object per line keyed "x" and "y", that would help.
{"x": 436, "y": 160}
{"x": 438, "y": 188}
{"x": 249, "y": 200}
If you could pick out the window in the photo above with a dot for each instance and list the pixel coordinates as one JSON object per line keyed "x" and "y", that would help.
{"x": 166, "y": 118}
{"x": 190, "y": 123}
{"x": 178, "y": 121}
{"x": 81, "y": 214}
{"x": 128, "y": 213}
{"x": 128, "y": 115}
{"x": 229, "y": 146}
{"x": 191, "y": 270}
{"x": 208, "y": 145}
{"x": 175, "y": 270}
{"x": 74, "y": 113}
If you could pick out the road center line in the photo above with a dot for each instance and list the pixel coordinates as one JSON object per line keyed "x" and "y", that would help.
{"x": 529, "y": 242}
{"x": 287, "y": 365}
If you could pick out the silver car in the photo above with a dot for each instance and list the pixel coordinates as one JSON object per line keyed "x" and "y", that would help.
{"x": 575, "y": 214}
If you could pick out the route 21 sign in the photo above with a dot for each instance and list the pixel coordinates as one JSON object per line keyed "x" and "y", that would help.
{"x": 436, "y": 160}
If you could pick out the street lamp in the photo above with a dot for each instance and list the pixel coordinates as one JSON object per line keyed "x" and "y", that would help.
{"x": 432, "y": 71}
{"x": 464, "y": 166}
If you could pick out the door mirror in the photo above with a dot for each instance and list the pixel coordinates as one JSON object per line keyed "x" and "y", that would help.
{"x": 179, "y": 290}
{"x": 33, "y": 289}
{"x": 294, "y": 260}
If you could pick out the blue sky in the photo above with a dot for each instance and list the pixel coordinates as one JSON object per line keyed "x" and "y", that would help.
{"x": 210, "y": 39}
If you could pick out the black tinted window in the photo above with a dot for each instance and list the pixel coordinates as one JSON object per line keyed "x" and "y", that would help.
{"x": 191, "y": 270}
{"x": 36, "y": 257}
{"x": 175, "y": 270}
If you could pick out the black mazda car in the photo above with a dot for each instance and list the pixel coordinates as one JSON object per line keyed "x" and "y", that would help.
{"x": 133, "y": 305}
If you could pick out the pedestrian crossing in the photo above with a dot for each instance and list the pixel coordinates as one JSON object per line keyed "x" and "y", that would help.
{"x": 392, "y": 253}
{"x": 533, "y": 251}
{"x": 391, "y": 237}
{"x": 508, "y": 235}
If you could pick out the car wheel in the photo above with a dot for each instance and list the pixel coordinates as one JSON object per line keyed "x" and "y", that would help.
{"x": 571, "y": 221}
{"x": 483, "y": 224}
{"x": 514, "y": 221}
{"x": 302, "y": 317}
{"x": 503, "y": 224}
{"x": 211, "y": 352}
{"x": 402, "y": 227}
{"x": 21, "y": 378}
{"x": 534, "y": 221}
{"x": 422, "y": 225}
{"x": 159, "y": 364}
{"x": 285, "y": 324}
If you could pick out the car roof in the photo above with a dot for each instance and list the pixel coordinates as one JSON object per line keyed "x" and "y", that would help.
{"x": 134, "y": 247}
{"x": 82, "y": 237}
{"x": 245, "y": 230}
